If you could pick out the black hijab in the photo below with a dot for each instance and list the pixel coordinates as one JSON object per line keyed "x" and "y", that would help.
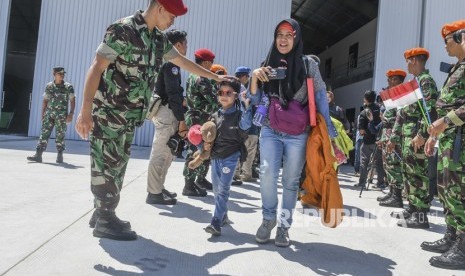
{"x": 295, "y": 72}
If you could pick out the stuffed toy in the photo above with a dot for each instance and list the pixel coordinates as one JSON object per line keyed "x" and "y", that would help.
{"x": 197, "y": 134}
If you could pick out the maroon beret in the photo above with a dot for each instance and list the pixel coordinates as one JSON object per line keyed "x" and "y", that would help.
{"x": 175, "y": 7}
{"x": 204, "y": 54}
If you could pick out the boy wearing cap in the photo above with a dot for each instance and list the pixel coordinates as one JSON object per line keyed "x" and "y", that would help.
{"x": 55, "y": 114}
{"x": 117, "y": 92}
{"x": 451, "y": 166}
{"x": 169, "y": 120}
{"x": 410, "y": 132}
{"x": 392, "y": 156}
{"x": 201, "y": 103}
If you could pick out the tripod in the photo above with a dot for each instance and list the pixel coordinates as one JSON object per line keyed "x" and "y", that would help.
{"x": 371, "y": 171}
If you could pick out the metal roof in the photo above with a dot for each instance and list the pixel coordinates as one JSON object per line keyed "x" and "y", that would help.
{"x": 325, "y": 22}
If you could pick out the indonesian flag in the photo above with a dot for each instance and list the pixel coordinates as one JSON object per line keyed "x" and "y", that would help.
{"x": 401, "y": 95}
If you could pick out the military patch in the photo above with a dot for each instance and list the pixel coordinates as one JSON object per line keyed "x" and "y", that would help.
{"x": 175, "y": 70}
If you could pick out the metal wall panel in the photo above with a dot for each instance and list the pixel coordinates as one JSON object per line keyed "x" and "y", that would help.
{"x": 398, "y": 29}
{"x": 239, "y": 32}
{"x": 4, "y": 20}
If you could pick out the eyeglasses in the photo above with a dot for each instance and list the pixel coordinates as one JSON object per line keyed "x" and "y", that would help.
{"x": 228, "y": 93}
{"x": 446, "y": 39}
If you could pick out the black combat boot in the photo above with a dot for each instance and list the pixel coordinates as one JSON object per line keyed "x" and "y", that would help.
{"x": 386, "y": 196}
{"x": 442, "y": 245}
{"x": 394, "y": 201}
{"x": 161, "y": 199}
{"x": 204, "y": 183}
{"x": 454, "y": 258}
{"x": 95, "y": 216}
{"x": 191, "y": 189}
{"x": 36, "y": 157}
{"x": 404, "y": 214}
{"x": 60, "y": 156}
{"x": 419, "y": 220}
{"x": 108, "y": 226}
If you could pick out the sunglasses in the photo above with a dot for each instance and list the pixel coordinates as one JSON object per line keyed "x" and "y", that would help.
{"x": 228, "y": 93}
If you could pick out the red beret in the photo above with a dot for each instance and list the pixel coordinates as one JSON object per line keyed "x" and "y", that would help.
{"x": 452, "y": 27}
{"x": 218, "y": 68}
{"x": 415, "y": 52}
{"x": 195, "y": 135}
{"x": 204, "y": 54}
{"x": 396, "y": 72}
{"x": 175, "y": 7}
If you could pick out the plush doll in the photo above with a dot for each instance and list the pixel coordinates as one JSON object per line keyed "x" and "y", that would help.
{"x": 198, "y": 134}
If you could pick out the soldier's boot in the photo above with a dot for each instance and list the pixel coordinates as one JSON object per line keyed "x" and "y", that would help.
{"x": 394, "y": 201}
{"x": 441, "y": 245}
{"x": 385, "y": 197}
{"x": 108, "y": 226}
{"x": 418, "y": 220}
{"x": 36, "y": 157}
{"x": 192, "y": 189}
{"x": 404, "y": 214}
{"x": 95, "y": 216}
{"x": 60, "y": 157}
{"x": 204, "y": 183}
{"x": 454, "y": 258}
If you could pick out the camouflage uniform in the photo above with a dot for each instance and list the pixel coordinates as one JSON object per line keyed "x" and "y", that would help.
{"x": 391, "y": 160}
{"x": 451, "y": 173}
{"x": 120, "y": 104}
{"x": 57, "y": 97}
{"x": 201, "y": 103}
{"x": 409, "y": 123}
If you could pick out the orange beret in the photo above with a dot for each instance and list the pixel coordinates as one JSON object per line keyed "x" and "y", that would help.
{"x": 219, "y": 69}
{"x": 204, "y": 54}
{"x": 396, "y": 72}
{"x": 415, "y": 52}
{"x": 452, "y": 27}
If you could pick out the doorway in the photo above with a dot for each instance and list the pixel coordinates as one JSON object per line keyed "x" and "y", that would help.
{"x": 23, "y": 31}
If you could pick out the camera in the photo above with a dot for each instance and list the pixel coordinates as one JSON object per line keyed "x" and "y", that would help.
{"x": 277, "y": 73}
{"x": 174, "y": 143}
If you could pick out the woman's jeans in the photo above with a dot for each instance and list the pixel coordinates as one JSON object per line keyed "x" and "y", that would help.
{"x": 278, "y": 148}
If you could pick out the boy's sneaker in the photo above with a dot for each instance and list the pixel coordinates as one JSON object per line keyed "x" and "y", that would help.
{"x": 282, "y": 237}
{"x": 226, "y": 220}
{"x": 264, "y": 231}
{"x": 214, "y": 228}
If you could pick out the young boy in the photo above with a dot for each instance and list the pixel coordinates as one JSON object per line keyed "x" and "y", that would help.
{"x": 228, "y": 148}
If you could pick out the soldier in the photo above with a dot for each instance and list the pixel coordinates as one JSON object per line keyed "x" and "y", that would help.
{"x": 410, "y": 132}
{"x": 392, "y": 157}
{"x": 451, "y": 172}
{"x": 169, "y": 120}
{"x": 117, "y": 90}
{"x": 55, "y": 114}
{"x": 201, "y": 103}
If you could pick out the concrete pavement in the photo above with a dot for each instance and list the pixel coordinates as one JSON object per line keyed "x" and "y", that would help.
{"x": 45, "y": 209}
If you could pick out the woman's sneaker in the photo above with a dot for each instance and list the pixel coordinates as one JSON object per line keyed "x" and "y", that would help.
{"x": 264, "y": 231}
{"x": 282, "y": 237}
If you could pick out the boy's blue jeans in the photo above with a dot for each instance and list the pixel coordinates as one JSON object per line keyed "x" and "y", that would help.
{"x": 222, "y": 175}
{"x": 275, "y": 147}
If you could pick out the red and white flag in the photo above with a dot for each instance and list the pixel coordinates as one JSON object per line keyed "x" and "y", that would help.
{"x": 401, "y": 95}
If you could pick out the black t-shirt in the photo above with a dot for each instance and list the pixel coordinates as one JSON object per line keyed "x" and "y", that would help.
{"x": 369, "y": 138}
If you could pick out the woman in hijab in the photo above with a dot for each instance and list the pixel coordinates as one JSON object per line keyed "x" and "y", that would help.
{"x": 285, "y": 144}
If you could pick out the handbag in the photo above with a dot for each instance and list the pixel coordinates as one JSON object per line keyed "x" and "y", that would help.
{"x": 154, "y": 106}
{"x": 293, "y": 120}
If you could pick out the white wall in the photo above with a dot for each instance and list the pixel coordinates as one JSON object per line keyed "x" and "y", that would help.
{"x": 240, "y": 32}
{"x": 339, "y": 52}
{"x": 351, "y": 96}
{"x": 4, "y": 20}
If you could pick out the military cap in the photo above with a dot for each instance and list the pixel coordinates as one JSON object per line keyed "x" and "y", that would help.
{"x": 415, "y": 52}
{"x": 204, "y": 54}
{"x": 452, "y": 27}
{"x": 219, "y": 69}
{"x": 243, "y": 69}
{"x": 175, "y": 7}
{"x": 59, "y": 70}
{"x": 396, "y": 72}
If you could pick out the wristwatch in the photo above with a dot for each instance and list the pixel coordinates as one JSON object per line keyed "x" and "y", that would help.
{"x": 448, "y": 121}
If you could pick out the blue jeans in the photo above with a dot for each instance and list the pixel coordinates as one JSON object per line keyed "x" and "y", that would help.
{"x": 358, "y": 145}
{"x": 275, "y": 147}
{"x": 222, "y": 175}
